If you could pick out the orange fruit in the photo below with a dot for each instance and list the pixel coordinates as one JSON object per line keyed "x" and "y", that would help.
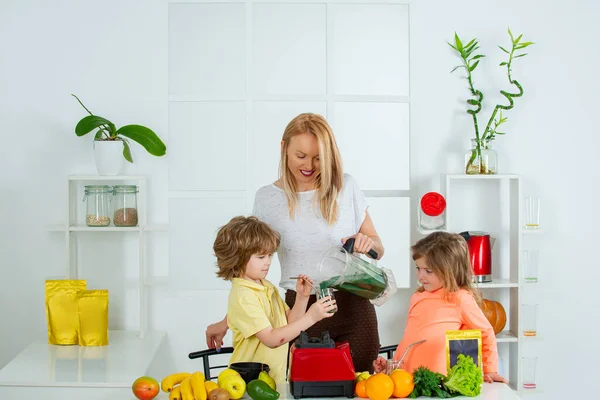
{"x": 361, "y": 388}
{"x": 403, "y": 383}
{"x": 380, "y": 387}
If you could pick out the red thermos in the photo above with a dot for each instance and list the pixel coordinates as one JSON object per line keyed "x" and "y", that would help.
{"x": 480, "y": 253}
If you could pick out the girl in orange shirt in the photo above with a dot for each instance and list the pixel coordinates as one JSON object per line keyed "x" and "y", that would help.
{"x": 446, "y": 300}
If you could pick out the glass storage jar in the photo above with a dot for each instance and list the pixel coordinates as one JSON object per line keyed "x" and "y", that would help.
{"x": 97, "y": 198}
{"x": 125, "y": 205}
{"x": 432, "y": 211}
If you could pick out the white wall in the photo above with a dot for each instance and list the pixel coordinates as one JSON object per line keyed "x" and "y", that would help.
{"x": 552, "y": 142}
{"x": 117, "y": 62}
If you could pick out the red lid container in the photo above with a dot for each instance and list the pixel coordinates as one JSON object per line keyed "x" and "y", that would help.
{"x": 433, "y": 204}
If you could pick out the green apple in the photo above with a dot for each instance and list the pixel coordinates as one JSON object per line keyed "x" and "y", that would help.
{"x": 234, "y": 384}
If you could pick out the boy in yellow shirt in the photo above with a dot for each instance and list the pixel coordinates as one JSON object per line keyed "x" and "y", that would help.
{"x": 260, "y": 320}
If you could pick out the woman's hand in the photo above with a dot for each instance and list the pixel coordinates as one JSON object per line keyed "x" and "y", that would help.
{"x": 362, "y": 243}
{"x": 215, "y": 334}
{"x": 494, "y": 377}
{"x": 304, "y": 286}
{"x": 379, "y": 365}
{"x": 321, "y": 309}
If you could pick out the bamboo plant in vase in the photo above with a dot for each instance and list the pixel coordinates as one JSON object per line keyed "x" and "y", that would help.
{"x": 481, "y": 159}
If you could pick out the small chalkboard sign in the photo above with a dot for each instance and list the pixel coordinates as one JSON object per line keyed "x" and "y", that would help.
{"x": 467, "y": 342}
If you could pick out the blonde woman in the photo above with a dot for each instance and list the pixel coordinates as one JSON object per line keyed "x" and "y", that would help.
{"x": 313, "y": 206}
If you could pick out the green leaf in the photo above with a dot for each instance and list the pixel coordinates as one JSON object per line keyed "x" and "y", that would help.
{"x": 451, "y": 45}
{"x": 455, "y": 68}
{"x": 472, "y": 67}
{"x": 500, "y": 133}
{"x": 127, "y": 151}
{"x": 525, "y": 44}
{"x": 91, "y": 122}
{"x": 511, "y": 35}
{"x": 98, "y": 135}
{"x": 519, "y": 38}
{"x": 478, "y": 56}
{"x": 522, "y": 46}
{"x": 469, "y": 49}
{"x": 520, "y": 55}
{"x": 470, "y": 43}
{"x": 473, "y": 102}
{"x": 458, "y": 43}
{"x": 144, "y": 136}
{"x": 504, "y": 50}
{"x": 503, "y": 63}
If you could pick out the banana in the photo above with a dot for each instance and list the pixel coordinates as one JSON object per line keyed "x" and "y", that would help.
{"x": 197, "y": 381}
{"x": 186, "y": 389}
{"x": 175, "y": 393}
{"x": 169, "y": 381}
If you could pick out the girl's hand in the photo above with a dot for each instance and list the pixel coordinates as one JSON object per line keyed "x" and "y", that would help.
{"x": 494, "y": 377}
{"x": 362, "y": 243}
{"x": 321, "y": 309}
{"x": 379, "y": 365}
{"x": 304, "y": 286}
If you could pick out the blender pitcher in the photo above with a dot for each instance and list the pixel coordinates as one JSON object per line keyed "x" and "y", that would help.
{"x": 342, "y": 270}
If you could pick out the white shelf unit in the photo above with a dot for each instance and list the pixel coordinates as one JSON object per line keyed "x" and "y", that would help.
{"x": 74, "y": 225}
{"x": 491, "y": 203}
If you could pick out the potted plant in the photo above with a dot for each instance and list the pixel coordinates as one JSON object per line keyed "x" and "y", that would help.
{"x": 111, "y": 145}
{"x": 478, "y": 160}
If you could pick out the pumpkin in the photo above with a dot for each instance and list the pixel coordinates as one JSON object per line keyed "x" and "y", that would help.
{"x": 495, "y": 313}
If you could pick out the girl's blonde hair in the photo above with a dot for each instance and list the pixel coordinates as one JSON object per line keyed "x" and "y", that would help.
{"x": 447, "y": 256}
{"x": 330, "y": 178}
{"x": 237, "y": 241}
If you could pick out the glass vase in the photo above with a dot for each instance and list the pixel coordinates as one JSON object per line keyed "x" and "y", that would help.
{"x": 481, "y": 159}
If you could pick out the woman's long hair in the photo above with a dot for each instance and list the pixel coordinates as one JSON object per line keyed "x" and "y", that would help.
{"x": 329, "y": 179}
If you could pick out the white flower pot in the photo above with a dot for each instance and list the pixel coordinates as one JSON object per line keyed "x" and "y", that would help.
{"x": 109, "y": 156}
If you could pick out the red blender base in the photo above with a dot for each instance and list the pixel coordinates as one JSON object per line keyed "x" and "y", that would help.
{"x": 321, "y": 368}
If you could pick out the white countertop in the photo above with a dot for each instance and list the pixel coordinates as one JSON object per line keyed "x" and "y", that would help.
{"x": 490, "y": 391}
{"x": 116, "y": 365}
{"x": 107, "y": 373}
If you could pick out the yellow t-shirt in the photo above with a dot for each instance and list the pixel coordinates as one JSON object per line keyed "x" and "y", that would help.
{"x": 251, "y": 308}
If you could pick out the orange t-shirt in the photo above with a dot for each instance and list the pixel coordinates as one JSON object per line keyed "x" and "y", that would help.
{"x": 430, "y": 316}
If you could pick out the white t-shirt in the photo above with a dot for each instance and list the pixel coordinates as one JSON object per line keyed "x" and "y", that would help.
{"x": 305, "y": 239}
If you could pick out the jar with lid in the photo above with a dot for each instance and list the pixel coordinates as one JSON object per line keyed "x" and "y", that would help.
{"x": 97, "y": 198}
{"x": 432, "y": 211}
{"x": 125, "y": 205}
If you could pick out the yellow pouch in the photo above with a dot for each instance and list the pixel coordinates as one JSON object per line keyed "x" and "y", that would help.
{"x": 467, "y": 342}
{"x": 61, "y": 310}
{"x": 93, "y": 317}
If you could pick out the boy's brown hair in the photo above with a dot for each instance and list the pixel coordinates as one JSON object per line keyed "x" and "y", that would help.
{"x": 447, "y": 256}
{"x": 237, "y": 241}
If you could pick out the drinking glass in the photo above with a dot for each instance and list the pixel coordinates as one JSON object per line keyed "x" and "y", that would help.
{"x": 530, "y": 265}
{"x": 324, "y": 292}
{"x": 529, "y": 319}
{"x": 532, "y": 213}
{"x": 529, "y": 364}
{"x": 392, "y": 365}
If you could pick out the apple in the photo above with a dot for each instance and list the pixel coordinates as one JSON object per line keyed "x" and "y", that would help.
{"x": 234, "y": 384}
{"x": 218, "y": 394}
{"x": 145, "y": 388}
{"x": 225, "y": 373}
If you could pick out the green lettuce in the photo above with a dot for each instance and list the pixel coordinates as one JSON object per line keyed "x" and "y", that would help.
{"x": 465, "y": 377}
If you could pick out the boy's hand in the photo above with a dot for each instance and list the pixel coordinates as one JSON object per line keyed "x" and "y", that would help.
{"x": 379, "y": 365}
{"x": 321, "y": 309}
{"x": 494, "y": 377}
{"x": 304, "y": 286}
